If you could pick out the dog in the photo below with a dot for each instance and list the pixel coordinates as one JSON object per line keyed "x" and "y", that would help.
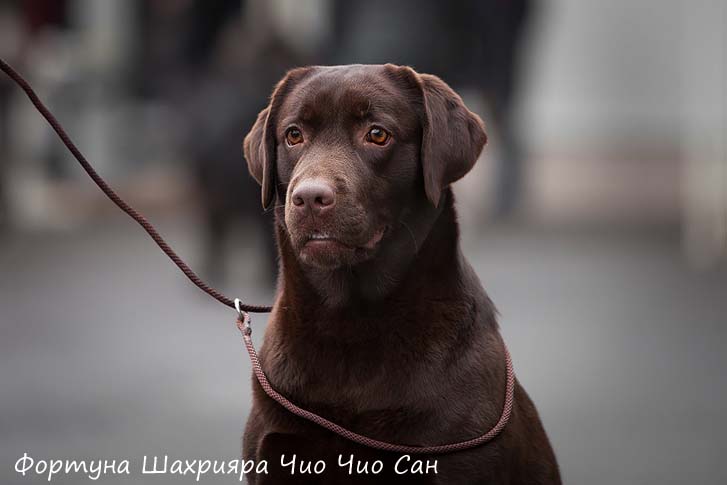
{"x": 379, "y": 324}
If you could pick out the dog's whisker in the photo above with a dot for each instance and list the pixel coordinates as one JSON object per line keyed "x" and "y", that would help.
{"x": 273, "y": 207}
{"x": 411, "y": 233}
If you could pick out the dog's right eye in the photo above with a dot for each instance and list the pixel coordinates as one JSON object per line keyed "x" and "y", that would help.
{"x": 293, "y": 136}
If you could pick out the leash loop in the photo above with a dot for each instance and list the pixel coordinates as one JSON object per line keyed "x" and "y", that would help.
{"x": 370, "y": 442}
{"x": 243, "y": 319}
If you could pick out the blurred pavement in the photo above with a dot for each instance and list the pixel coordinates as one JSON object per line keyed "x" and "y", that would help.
{"x": 106, "y": 351}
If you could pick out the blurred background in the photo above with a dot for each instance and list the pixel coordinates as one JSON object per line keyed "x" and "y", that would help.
{"x": 596, "y": 217}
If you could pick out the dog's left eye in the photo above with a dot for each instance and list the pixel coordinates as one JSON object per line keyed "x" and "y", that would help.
{"x": 378, "y": 135}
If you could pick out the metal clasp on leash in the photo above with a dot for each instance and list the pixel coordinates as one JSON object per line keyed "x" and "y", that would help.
{"x": 243, "y": 319}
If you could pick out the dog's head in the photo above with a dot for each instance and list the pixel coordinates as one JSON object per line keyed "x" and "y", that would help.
{"x": 345, "y": 153}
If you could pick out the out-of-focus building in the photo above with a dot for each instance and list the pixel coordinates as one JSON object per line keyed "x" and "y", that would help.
{"x": 619, "y": 114}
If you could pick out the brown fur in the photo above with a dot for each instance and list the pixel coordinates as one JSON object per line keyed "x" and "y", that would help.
{"x": 395, "y": 340}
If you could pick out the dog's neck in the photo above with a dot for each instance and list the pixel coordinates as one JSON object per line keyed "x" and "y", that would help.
{"x": 421, "y": 264}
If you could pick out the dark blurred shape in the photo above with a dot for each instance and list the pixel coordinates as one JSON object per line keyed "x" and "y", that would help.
{"x": 39, "y": 14}
{"x": 229, "y": 194}
{"x": 35, "y": 16}
{"x": 5, "y": 90}
{"x": 471, "y": 44}
{"x": 200, "y": 58}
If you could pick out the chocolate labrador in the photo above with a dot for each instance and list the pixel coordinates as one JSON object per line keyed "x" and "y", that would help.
{"x": 380, "y": 324}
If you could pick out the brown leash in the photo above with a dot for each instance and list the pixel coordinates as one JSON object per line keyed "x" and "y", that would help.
{"x": 243, "y": 321}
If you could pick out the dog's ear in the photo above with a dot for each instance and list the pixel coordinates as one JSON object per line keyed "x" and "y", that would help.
{"x": 260, "y": 145}
{"x": 452, "y": 136}
{"x": 257, "y": 157}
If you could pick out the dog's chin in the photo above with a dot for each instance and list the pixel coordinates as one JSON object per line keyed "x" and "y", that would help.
{"x": 328, "y": 252}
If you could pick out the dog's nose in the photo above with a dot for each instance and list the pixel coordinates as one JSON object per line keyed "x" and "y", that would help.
{"x": 315, "y": 195}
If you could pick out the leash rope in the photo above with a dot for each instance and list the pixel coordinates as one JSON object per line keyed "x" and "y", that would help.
{"x": 116, "y": 199}
{"x": 243, "y": 321}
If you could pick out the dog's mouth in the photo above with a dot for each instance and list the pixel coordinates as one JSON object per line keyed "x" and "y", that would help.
{"x": 324, "y": 249}
{"x": 323, "y": 238}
